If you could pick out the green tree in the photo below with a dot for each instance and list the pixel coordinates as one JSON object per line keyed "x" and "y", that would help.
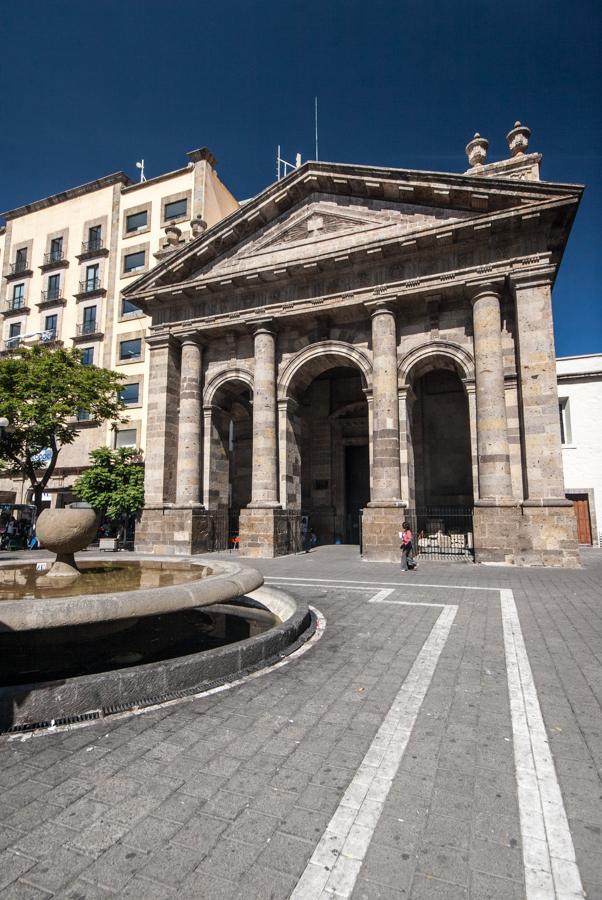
{"x": 114, "y": 484}
{"x": 42, "y": 391}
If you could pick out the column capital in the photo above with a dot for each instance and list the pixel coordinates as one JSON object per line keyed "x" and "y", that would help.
{"x": 187, "y": 340}
{"x": 483, "y": 286}
{"x": 162, "y": 340}
{"x": 524, "y": 280}
{"x": 381, "y": 305}
{"x": 266, "y": 325}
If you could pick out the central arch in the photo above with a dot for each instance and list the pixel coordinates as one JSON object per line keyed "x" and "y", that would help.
{"x": 325, "y": 438}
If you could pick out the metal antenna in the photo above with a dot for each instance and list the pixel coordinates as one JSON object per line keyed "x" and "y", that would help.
{"x": 283, "y": 167}
{"x": 316, "y": 120}
{"x": 140, "y": 165}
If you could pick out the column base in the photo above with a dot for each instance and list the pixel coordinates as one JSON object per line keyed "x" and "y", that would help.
{"x": 380, "y": 532}
{"x": 525, "y": 534}
{"x": 264, "y": 532}
{"x": 174, "y": 530}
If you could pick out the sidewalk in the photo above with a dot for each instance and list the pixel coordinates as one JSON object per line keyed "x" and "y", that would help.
{"x": 380, "y": 763}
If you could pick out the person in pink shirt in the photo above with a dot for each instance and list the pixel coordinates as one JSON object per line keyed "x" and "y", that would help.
{"x": 407, "y": 548}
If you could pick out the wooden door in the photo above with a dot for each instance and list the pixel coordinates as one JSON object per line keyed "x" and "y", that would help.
{"x": 581, "y": 507}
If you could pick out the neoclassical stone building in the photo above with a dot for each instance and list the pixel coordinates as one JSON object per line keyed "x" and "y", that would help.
{"x": 363, "y": 338}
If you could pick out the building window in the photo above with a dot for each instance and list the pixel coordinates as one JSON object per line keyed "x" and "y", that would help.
{"x": 130, "y": 393}
{"x": 51, "y": 324}
{"x": 15, "y": 330}
{"x": 566, "y": 436}
{"x": 131, "y": 349}
{"x": 175, "y": 209}
{"x": 89, "y": 320}
{"x": 127, "y": 307}
{"x": 136, "y": 222}
{"x": 54, "y": 287}
{"x": 18, "y": 298}
{"x": 133, "y": 262}
{"x": 56, "y": 249}
{"x": 21, "y": 260}
{"x": 125, "y": 438}
{"x": 92, "y": 282}
{"x": 83, "y": 415}
{"x": 95, "y": 237}
{"x": 88, "y": 356}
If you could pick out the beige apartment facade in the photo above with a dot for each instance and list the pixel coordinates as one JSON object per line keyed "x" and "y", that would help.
{"x": 65, "y": 261}
{"x": 364, "y": 340}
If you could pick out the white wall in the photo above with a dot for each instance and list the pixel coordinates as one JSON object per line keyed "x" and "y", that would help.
{"x": 580, "y": 380}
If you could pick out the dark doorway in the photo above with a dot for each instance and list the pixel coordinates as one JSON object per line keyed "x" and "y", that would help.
{"x": 334, "y": 467}
{"x": 441, "y": 441}
{"x": 357, "y": 488}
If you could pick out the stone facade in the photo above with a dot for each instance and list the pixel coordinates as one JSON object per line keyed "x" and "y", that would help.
{"x": 372, "y": 339}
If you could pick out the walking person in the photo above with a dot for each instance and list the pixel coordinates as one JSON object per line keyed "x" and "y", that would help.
{"x": 407, "y": 548}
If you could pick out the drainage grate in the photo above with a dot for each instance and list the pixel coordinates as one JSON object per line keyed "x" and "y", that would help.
{"x": 166, "y": 697}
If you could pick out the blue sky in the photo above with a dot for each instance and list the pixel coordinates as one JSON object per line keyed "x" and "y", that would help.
{"x": 89, "y": 88}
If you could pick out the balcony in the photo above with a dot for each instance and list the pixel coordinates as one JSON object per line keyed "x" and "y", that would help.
{"x": 87, "y": 330}
{"x": 53, "y": 297}
{"x": 16, "y": 306}
{"x": 19, "y": 269}
{"x": 10, "y": 345}
{"x": 89, "y": 288}
{"x": 90, "y": 249}
{"x": 54, "y": 260}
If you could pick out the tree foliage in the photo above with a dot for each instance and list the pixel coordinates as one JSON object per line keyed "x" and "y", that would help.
{"x": 41, "y": 392}
{"x": 114, "y": 484}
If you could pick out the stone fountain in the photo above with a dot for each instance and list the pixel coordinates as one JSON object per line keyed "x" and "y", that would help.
{"x": 64, "y": 532}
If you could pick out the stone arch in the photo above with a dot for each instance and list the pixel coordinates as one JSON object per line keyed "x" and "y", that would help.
{"x": 219, "y": 380}
{"x": 317, "y": 358}
{"x": 435, "y": 355}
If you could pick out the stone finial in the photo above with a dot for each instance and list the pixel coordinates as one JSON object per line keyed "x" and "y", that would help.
{"x": 172, "y": 235}
{"x": 476, "y": 150}
{"x": 197, "y": 226}
{"x": 518, "y": 139}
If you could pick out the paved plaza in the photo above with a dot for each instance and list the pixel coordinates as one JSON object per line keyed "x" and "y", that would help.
{"x": 439, "y": 737}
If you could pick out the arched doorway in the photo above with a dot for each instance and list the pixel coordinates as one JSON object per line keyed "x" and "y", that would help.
{"x": 325, "y": 465}
{"x": 229, "y": 456}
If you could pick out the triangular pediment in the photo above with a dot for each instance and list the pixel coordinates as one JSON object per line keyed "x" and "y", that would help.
{"x": 322, "y": 210}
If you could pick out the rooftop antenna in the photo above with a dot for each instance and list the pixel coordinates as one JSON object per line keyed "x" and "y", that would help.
{"x": 316, "y": 121}
{"x": 283, "y": 167}
{"x": 140, "y": 165}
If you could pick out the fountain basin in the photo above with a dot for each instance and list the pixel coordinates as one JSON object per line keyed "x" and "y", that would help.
{"x": 216, "y": 583}
{"x": 139, "y": 648}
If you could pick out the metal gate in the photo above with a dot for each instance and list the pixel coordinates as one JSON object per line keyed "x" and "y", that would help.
{"x": 442, "y": 532}
{"x": 223, "y": 529}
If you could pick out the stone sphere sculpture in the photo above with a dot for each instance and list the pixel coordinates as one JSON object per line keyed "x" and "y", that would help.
{"x": 65, "y": 531}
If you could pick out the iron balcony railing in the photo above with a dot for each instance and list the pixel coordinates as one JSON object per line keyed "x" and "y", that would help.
{"x": 87, "y": 327}
{"x": 19, "y": 266}
{"x": 52, "y": 294}
{"x": 54, "y": 256}
{"x": 48, "y": 336}
{"x": 16, "y": 303}
{"x": 12, "y": 343}
{"x": 89, "y": 285}
{"x": 92, "y": 246}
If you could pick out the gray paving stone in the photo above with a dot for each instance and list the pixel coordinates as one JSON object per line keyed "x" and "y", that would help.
{"x": 12, "y": 866}
{"x": 19, "y": 890}
{"x": 425, "y": 887}
{"x": 489, "y": 887}
{"x": 57, "y": 869}
{"x": 390, "y": 866}
{"x": 445, "y": 863}
{"x": 114, "y": 868}
{"x": 150, "y": 833}
{"x": 496, "y": 859}
{"x": 230, "y": 860}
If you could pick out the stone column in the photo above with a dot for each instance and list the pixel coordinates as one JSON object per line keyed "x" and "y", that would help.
{"x": 492, "y": 428}
{"x": 548, "y": 527}
{"x": 189, "y": 426}
{"x": 262, "y": 526}
{"x": 264, "y": 489}
{"x": 381, "y": 520}
{"x": 386, "y": 467}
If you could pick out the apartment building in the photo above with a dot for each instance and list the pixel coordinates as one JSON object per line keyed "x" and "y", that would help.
{"x": 65, "y": 261}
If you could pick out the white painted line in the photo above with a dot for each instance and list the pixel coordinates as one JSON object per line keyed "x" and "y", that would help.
{"x": 337, "y": 859}
{"x": 393, "y": 584}
{"x": 548, "y": 852}
{"x": 381, "y": 595}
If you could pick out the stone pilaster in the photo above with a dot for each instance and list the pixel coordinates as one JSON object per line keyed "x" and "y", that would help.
{"x": 162, "y": 420}
{"x": 189, "y": 427}
{"x": 381, "y": 520}
{"x": 548, "y": 527}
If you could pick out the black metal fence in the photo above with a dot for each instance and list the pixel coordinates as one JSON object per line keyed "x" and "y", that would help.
{"x": 442, "y": 532}
{"x": 223, "y": 529}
